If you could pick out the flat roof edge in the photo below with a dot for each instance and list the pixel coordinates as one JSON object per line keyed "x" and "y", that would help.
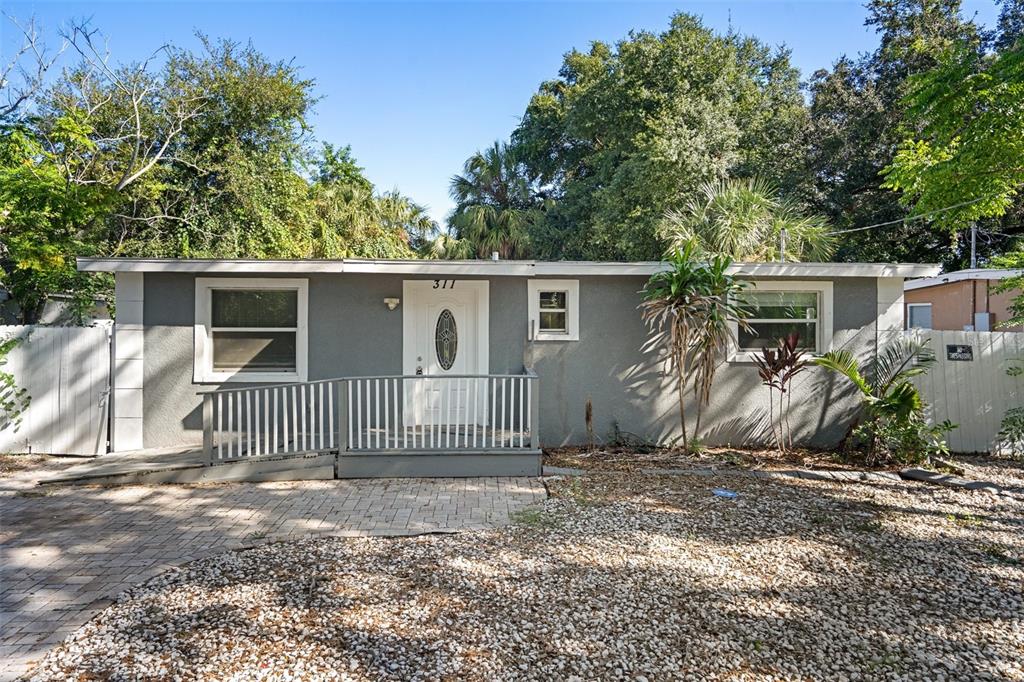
{"x": 962, "y": 276}
{"x": 521, "y": 268}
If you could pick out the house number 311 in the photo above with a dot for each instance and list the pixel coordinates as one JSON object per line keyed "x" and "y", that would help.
{"x": 444, "y": 284}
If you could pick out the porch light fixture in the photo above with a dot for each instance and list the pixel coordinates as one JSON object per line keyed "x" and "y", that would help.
{"x": 391, "y": 302}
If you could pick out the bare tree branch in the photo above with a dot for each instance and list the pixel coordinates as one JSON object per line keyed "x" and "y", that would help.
{"x": 150, "y": 139}
{"x": 32, "y": 75}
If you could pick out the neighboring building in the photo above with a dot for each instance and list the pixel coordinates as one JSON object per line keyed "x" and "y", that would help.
{"x": 964, "y": 300}
{"x": 57, "y": 311}
{"x": 457, "y": 367}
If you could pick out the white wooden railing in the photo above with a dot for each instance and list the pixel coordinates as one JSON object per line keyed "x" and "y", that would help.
{"x": 373, "y": 414}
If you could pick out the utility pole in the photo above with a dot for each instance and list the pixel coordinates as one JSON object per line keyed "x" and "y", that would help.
{"x": 974, "y": 246}
{"x": 782, "y": 245}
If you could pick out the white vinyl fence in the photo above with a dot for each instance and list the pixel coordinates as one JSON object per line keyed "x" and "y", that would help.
{"x": 969, "y": 385}
{"x": 66, "y": 371}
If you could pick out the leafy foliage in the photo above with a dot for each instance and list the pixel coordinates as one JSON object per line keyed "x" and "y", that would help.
{"x": 205, "y": 156}
{"x": 745, "y": 218}
{"x": 858, "y": 124}
{"x": 1011, "y": 431}
{"x": 896, "y": 427}
{"x": 970, "y": 146}
{"x": 1013, "y": 259}
{"x": 691, "y": 305}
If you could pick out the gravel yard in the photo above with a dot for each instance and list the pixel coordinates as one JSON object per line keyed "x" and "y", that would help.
{"x": 617, "y": 577}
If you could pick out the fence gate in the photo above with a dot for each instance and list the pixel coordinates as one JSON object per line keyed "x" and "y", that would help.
{"x": 66, "y": 371}
{"x": 969, "y": 385}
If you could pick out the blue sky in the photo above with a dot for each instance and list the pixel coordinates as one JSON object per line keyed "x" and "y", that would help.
{"x": 416, "y": 88}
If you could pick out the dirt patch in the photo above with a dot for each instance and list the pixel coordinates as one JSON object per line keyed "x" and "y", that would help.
{"x": 1004, "y": 472}
{"x": 12, "y": 464}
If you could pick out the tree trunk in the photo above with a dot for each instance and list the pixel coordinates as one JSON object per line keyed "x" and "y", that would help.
{"x": 789, "y": 428}
{"x": 29, "y": 313}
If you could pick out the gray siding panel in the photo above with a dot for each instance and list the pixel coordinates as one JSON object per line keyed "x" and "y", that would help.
{"x": 353, "y": 333}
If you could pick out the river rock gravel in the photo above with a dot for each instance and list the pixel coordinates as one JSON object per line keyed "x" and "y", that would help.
{"x": 615, "y": 578}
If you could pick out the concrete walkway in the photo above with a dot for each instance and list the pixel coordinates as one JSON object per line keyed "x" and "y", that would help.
{"x": 65, "y": 553}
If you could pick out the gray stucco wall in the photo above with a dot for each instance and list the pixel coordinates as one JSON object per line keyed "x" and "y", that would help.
{"x": 352, "y": 333}
{"x": 634, "y": 390}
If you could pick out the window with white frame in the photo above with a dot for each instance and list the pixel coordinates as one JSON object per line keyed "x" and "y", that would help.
{"x": 919, "y": 316}
{"x": 250, "y": 329}
{"x": 777, "y": 309}
{"x": 554, "y": 309}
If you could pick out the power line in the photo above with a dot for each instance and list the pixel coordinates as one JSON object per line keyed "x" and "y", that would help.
{"x": 907, "y": 220}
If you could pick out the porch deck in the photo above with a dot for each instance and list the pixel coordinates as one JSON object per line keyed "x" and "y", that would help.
{"x": 192, "y": 465}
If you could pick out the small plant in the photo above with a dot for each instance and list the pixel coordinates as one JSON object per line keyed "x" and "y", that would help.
{"x": 1011, "y": 431}
{"x": 896, "y": 428}
{"x": 777, "y": 368}
{"x": 964, "y": 519}
{"x": 576, "y": 492}
{"x": 13, "y": 399}
{"x": 535, "y": 518}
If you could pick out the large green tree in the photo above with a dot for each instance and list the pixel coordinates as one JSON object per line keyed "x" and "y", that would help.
{"x": 626, "y": 133}
{"x": 966, "y": 144}
{"x": 206, "y": 154}
{"x": 857, "y": 125}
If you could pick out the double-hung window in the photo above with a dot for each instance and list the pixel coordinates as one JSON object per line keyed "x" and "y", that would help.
{"x": 250, "y": 330}
{"x": 776, "y": 309}
{"x": 554, "y": 309}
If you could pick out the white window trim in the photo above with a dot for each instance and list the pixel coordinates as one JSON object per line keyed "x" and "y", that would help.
{"x": 824, "y": 289}
{"x": 203, "y": 372}
{"x": 918, "y": 305}
{"x": 571, "y": 287}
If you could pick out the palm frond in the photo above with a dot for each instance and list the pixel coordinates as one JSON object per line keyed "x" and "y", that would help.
{"x": 900, "y": 360}
{"x": 843, "y": 362}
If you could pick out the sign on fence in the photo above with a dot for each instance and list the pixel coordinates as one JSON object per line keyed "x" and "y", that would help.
{"x": 66, "y": 373}
{"x": 969, "y": 384}
{"x": 959, "y": 353}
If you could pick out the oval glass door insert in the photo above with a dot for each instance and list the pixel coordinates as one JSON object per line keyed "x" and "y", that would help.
{"x": 446, "y": 339}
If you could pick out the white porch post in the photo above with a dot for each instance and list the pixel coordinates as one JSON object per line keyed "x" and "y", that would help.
{"x": 127, "y": 370}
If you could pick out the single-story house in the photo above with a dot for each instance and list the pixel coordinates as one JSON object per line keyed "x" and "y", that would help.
{"x": 456, "y": 367}
{"x": 964, "y": 300}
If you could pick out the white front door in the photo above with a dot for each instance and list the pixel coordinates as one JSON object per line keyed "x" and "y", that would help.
{"x": 445, "y": 325}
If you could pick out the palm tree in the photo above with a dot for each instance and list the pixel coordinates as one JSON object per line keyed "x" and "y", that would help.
{"x": 744, "y": 218}
{"x": 494, "y": 207}
{"x": 693, "y": 303}
{"x": 885, "y": 387}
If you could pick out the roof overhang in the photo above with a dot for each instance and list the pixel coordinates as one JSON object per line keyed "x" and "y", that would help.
{"x": 515, "y": 268}
{"x": 960, "y": 276}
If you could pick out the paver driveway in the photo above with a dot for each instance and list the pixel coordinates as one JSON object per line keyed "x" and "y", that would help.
{"x": 65, "y": 555}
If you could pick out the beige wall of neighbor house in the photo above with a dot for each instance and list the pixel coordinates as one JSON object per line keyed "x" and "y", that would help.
{"x": 954, "y": 304}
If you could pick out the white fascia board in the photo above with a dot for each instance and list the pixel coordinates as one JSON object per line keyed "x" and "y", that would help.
{"x": 960, "y": 276}
{"x": 441, "y": 268}
{"x": 522, "y": 268}
{"x": 576, "y": 268}
{"x": 833, "y": 270}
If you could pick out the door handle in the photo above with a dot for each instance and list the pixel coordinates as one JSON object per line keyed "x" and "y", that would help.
{"x": 419, "y": 370}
